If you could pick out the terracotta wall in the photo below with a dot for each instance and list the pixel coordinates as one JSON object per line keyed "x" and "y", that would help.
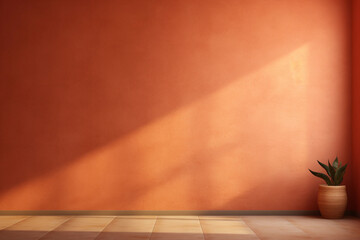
{"x": 171, "y": 105}
{"x": 356, "y": 103}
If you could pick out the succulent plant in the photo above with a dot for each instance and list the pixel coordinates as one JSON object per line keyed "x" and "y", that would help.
{"x": 335, "y": 172}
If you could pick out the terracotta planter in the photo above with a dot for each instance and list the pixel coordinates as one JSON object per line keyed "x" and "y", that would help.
{"x": 332, "y": 201}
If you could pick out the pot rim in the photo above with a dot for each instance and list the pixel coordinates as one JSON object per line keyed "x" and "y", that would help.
{"x": 327, "y": 186}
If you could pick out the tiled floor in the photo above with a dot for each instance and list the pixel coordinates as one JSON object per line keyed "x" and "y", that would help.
{"x": 177, "y": 228}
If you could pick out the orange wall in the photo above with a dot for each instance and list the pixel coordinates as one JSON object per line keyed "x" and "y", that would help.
{"x": 171, "y": 105}
{"x": 356, "y": 103}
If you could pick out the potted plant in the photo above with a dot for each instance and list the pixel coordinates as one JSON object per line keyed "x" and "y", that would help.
{"x": 332, "y": 197}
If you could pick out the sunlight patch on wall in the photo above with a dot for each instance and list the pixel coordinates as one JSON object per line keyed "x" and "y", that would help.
{"x": 207, "y": 153}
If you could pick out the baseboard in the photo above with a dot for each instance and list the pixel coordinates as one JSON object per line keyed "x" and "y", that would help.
{"x": 357, "y": 214}
{"x": 164, "y": 213}
{"x": 351, "y": 213}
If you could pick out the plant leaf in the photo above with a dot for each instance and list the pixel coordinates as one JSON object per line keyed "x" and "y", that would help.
{"x": 325, "y": 167}
{"x": 340, "y": 174}
{"x": 336, "y": 163}
{"x": 323, "y": 176}
{"x": 332, "y": 171}
{"x": 339, "y": 181}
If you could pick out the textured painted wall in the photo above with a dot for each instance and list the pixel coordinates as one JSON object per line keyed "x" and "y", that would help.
{"x": 171, "y": 105}
{"x": 356, "y": 104}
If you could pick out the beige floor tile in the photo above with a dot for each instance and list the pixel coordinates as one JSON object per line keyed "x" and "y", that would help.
{"x": 7, "y": 221}
{"x": 350, "y": 224}
{"x": 230, "y": 218}
{"x": 320, "y": 228}
{"x": 179, "y": 217}
{"x": 128, "y": 228}
{"x": 274, "y": 227}
{"x": 177, "y": 228}
{"x": 226, "y": 228}
{"x": 137, "y": 216}
{"x": 32, "y": 228}
{"x": 79, "y": 228}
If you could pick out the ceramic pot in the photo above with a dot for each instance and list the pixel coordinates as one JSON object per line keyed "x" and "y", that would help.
{"x": 332, "y": 201}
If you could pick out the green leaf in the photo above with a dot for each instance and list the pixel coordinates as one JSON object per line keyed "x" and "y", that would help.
{"x": 340, "y": 174}
{"x": 325, "y": 167}
{"x": 336, "y": 163}
{"x": 323, "y": 176}
{"x": 332, "y": 171}
{"x": 339, "y": 181}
